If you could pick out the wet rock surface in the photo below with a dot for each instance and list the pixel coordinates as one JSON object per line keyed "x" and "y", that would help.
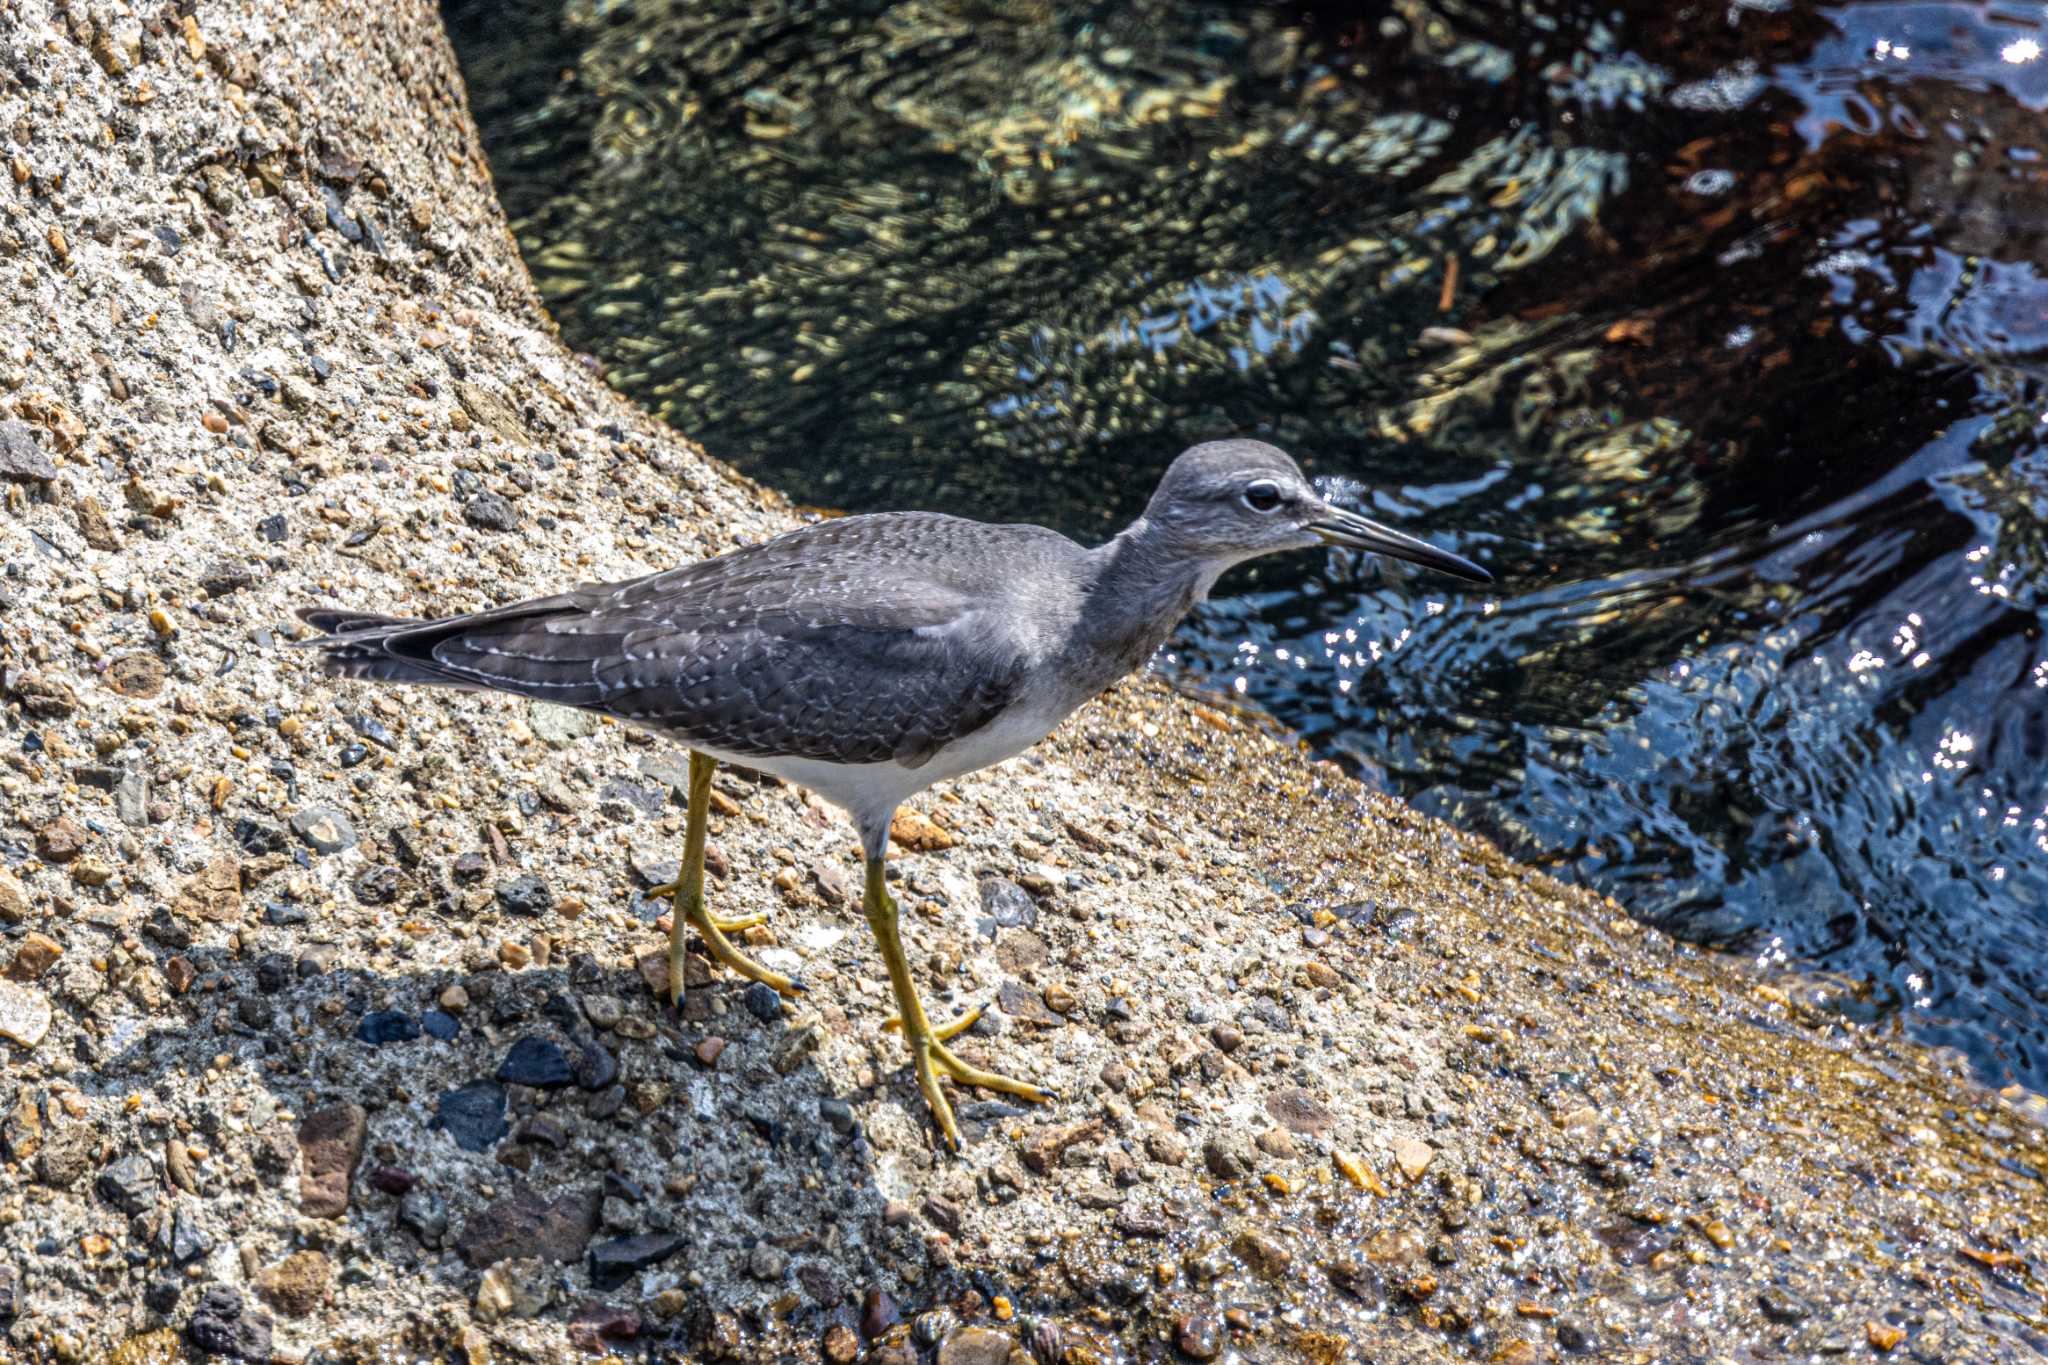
{"x": 1493, "y": 1116}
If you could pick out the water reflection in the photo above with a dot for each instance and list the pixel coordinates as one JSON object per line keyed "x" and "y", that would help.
{"x": 1716, "y": 331}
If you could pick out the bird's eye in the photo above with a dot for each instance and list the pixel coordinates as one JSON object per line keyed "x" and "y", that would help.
{"x": 1262, "y": 496}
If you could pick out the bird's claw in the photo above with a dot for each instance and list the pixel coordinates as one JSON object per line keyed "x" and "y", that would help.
{"x": 931, "y": 1057}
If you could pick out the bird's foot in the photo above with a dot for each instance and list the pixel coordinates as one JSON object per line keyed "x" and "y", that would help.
{"x": 713, "y": 931}
{"x": 673, "y": 891}
{"x": 944, "y": 1032}
{"x": 933, "y": 1059}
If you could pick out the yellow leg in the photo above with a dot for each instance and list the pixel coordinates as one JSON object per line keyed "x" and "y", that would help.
{"x": 928, "y": 1051}
{"x": 687, "y": 898}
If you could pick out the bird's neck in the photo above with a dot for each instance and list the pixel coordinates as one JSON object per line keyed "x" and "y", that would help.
{"x": 1145, "y": 582}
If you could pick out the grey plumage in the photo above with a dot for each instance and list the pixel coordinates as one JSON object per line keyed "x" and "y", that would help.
{"x": 882, "y": 639}
{"x": 752, "y": 653}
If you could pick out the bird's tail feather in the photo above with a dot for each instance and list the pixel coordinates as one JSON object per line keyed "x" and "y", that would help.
{"x": 351, "y": 645}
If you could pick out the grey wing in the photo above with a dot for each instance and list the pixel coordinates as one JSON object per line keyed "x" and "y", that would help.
{"x": 761, "y": 653}
{"x": 838, "y": 693}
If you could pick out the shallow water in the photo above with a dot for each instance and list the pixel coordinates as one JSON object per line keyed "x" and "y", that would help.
{"x": 1718, "y": 332}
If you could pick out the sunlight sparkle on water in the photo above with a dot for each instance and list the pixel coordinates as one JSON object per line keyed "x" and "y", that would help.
{"x": 2020, "y": 50}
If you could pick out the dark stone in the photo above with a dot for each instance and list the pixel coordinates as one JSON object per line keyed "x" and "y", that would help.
{"x": 258, "y": 839}
{"x": 490, "y": 512}
{"x": 189, "y": 1241}
{"x": 21, "y": 459}
{"x": 10, "y": 1292}
{"x": 878, "y": 1313}
{"x": 224, "y": 577}
{"x": 255, "y": 1012}
{"x": 1300, "y": 1112}
{"x": 372, "y": 729}
{"x": 354, "y": 754}
{"x": 337, "y": 215}
{"x": 387, "y": 1026}
{"x": 1008, "y": 904}
{"x": 273, "y": 972}
{"x": 538, "y": 1062}
{"x": 220, "y": 1327}
{"x": 392, "y": 1180}
{"x": 646, "y": 800}
{"x": 324, "y": 828}
{"x": 1783, "y": 1306}
{"x": 440, "y": 1024}
{"x": 130, "y": 1184}
{"x": 763, "y": 1002}
{"x": 526, "y": 1223}
{"x": 161, "y": 1296}
{"x": 317, "y": 960}
{"x": 838, "y": 1114}
{"x": 596, "y": 1068}
{"x": 330, "y": 1146}
{"x": 474, "y": 1115}
{"x": 377, "y": 885}
{"x": 525, "y": 895}
{"x": 545, "y": 1130}
{"x": 1573, "y": 1336}
{"x": 470, "y": 868}
{"x": 1199, "y": 1336}
{"x": 272, "y": 529}
{"x": 613, "y": 1263}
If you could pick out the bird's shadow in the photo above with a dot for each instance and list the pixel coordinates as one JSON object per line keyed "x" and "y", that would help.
{"x": 691, "y": 1171}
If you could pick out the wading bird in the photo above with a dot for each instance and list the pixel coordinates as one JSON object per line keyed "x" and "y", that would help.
{"x": 869, "y": 657}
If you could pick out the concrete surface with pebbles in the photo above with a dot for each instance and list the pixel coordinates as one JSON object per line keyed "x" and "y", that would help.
{"x": 328, "y": 1013}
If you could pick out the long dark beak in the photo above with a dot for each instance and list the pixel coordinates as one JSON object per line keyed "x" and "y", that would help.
{"x": 1340, "y": 527}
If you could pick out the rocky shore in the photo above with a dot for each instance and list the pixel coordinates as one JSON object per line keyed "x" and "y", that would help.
{"x": 327, "y": 1019}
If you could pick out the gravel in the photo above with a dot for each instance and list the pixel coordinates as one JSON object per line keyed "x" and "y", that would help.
{"x": 1509, "y": 1119}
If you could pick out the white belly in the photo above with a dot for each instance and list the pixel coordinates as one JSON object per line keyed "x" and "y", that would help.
{"x": 870, "y": 792}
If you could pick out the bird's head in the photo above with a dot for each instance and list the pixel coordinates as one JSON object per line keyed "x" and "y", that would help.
{"x": 1234, "y": 500}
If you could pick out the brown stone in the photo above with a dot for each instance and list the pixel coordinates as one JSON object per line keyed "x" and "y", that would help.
{"x": 21, "y": 1132}
{"x": 1042, "y": 1147}
{"x": 527, "y": 1223}
{"x": 140, "y": 676}
{"x": 60, "y": 841}
{"x": 36, "y": 955}
{"x": 1264, "y": 1255}
{"x": 45, "y": 698}
{"x": 1300, "y": 1112}
{"x": 841, "y": 1346}
{"x": 213, "y": 893}
{"x": 1023, "y": 1005}
{"x": 1166, "y": 1148}
{"x": 330, "y": 1147}
{"x": 916, "y": 833}
{"x": 94, "y": 526}
{"x": 491, "y": 410}
{"x": 975, "y": 1346}
{"x": 597, "y": 1325}
{"x": 1020, "y": 950}
{"x": 1277, "y": 1143}
{"x": 298, "y": 1285}
{"x": 1413, "y": 1156}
